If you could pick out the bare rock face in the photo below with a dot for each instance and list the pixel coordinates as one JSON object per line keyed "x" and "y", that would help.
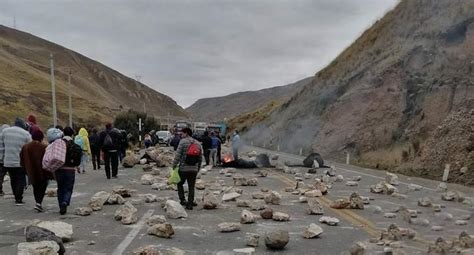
{"x": 126, "y": 213}
{"x": 356, "y": 201}
{"x": 210, "y": 201}
{"x": 246, "y": 217}
{"x": 174, "y": 210}
{"x": 312, "y": 231}
{"x": 42, "y": 247}
{"x": 83, "y": 211}
{"x": 98, "y": 200}
{"x": 267, "y": 213}
{"x": 331, "y": 221}
{"x": 273, "y": 198}
{"x": 161, "y": 230}
{"x": 122, "y": 191}
{"x": 279, "y": 216}
{"x": 252, "y": 239}
{"x": 314, "y": 207}
{"x": 156, "y": 219}
{"x": 229, "y": 227}
{"x": 277, "y": 239}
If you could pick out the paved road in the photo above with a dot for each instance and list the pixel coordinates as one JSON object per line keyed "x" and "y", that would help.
{"x": 198, "y": 233}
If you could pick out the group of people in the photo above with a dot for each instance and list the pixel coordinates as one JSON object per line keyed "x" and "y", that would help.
{"x": 29, "y": 160}
{"x": 25, "y": 156}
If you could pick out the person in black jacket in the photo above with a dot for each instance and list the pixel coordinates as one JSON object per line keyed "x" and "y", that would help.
{"x": 94, "y": 141}
{"x": 206, "y": 146}
{"x": 110, "y": 146}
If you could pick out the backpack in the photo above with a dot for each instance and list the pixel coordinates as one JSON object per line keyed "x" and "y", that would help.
{"x": 193, "y": 154}
{"x": 73, "y": 154}
{"x": 54, "y": 156}
{"x": 79, "y": 141}
{"x": 108, "y": 142}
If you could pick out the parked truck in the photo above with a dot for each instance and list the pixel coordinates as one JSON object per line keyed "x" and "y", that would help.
{"x": 199, "y": 129}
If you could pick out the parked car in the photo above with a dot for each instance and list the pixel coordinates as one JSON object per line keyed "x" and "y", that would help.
{"x": 164, "y": 137}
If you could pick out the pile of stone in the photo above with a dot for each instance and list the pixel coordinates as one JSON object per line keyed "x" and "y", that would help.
{"x": 130, "y": 160}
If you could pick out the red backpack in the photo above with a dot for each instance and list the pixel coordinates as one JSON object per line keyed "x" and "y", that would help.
{"x": 193, "y": 154}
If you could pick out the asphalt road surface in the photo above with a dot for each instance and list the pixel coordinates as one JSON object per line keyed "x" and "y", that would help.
{"x": 99, "y": 233}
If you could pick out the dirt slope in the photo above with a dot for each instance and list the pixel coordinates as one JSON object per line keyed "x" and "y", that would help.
{"x": 219, "y": 108}
{"x": 384, "y": 97}
{"x": 99, "y": 92}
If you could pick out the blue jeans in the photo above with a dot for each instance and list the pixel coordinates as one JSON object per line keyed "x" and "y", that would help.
{"x": 65, "y": 179}
{"x": 84, "y": 160}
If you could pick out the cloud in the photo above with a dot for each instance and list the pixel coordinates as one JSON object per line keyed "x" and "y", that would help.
{"x": 194, "y": 49}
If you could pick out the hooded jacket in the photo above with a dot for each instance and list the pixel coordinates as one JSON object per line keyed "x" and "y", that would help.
{"x": 11, "y": 141}
{"x": 85, "y": 138}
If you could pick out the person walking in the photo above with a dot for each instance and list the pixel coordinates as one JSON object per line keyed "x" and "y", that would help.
{"x": 31, "y": 158}
{"x": 31, "y": 123}
{"x": 123, "y": 144}
{"x": 188, "y": 158}
{"x": 3, "y": 171}
{"x": 235, "y": 144}
{"x": 206, "y": 146}
{"x": 12, "y": 140}
{"x": 219, "y": 148}
{"x": 66, "y": 175}
{"x": 147, "y": 141}
{"x": 110, "y": 145}
{"x": 82, "y": 139}
{"x": 94, "y": 141}
{"x": 214, "y": 146}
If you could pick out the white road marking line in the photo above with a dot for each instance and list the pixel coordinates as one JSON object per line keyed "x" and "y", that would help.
{"x": 133, "y": 233}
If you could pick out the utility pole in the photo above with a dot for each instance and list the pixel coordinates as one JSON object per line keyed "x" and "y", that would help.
{"x": 140, "y": 131}
{"x": 70, "y": 98}
{"x": 53, "y": 91}
{"x": 14, "y": 22}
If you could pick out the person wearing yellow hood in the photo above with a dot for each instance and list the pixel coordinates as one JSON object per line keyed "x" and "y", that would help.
{"x": 82, "y": 139}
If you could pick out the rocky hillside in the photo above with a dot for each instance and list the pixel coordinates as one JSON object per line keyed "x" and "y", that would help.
{"x": 219, "y": 108}
{"x": 98, "y": 94}
{"x": 384, "y": 97}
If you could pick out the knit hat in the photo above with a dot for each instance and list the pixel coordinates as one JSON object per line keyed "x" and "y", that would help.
{"x": 53, "y": 134}
{"x": 31, "y": 118}
{"x": 37, "y": 135}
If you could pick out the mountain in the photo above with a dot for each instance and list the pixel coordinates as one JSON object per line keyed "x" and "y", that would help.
{"x": 219, "y": 108}
{"x": 99, "y": 92}
{"x": 401, "y": 97}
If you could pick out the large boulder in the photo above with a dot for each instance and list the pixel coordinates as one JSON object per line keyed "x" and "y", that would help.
{"x": 312, "y": 231}
{"x": 164, "y": 160}
{"x": 210, "y": 201}
{"x": 267, "y": 213}
{"x": 252, "y": 239}
{"x": 161, "y": 230}
{"x": 61, "y": 229}
{"x": 37, "y": 234}
{"x": 279, "y": 216}
{"x": 156, "y": 219}
{"x": 272, "y": 198}
{"x": 83, "y": 211}
{"x": 356, "y": 201}
{"x": 314, "y": 207}
{"x": 229, "y": 227}
{"x": 122, "y": 191}
{"x": 277, "y": 239}
{"x": 331, "y": 221}
{"x": 246, "y": 217}
{"x": 148, "y": 179}
{"x": 38, "y": 248}
{"x": 127, "y": 214}
{"x": 98, "y": 200}
{"x": 115, "y": 199}
{"x": 175, "y": 210}
{"x": 130, "y": 161}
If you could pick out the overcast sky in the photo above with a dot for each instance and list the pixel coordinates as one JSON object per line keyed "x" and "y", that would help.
{"x": 195, "y": 49}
